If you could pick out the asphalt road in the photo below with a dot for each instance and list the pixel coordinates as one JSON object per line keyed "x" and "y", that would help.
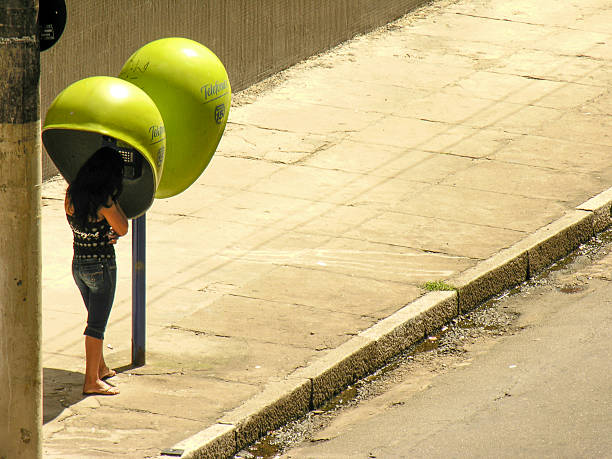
{"x": 541, "y": 387}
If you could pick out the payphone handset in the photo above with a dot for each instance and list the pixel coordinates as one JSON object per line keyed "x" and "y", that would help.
{"x": 132, "y": 159}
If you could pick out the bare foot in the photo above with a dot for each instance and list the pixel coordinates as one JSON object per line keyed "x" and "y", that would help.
{"x": 100, "y": 388}
{"x": 106, "y": 373}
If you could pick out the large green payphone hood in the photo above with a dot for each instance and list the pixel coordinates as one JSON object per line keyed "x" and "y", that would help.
{"x": 190, "y": 86}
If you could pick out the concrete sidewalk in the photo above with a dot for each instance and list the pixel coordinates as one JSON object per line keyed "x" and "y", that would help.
{"x": 455, "y": 144}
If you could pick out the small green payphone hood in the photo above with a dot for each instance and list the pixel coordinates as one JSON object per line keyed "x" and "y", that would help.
{"x": 106, "y": 111}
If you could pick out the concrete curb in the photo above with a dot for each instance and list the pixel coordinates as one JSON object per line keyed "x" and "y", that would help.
{"x": 527, "y": 257}
{"x": 308, "y": 388}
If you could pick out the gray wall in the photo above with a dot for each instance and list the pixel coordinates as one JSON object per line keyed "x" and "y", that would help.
{"x": 253, "y": 38}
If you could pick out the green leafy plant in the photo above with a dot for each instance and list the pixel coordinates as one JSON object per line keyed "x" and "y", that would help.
{"x": 434, "y": 286}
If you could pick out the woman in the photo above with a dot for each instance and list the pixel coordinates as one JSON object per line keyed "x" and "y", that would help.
{"x": 97, "y": 221}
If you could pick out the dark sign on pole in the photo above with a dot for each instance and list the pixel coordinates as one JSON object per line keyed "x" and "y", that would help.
{"x": 51, "y": 22}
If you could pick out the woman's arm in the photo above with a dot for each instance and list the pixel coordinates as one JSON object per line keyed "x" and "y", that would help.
{"x": 67, "y": 204}
{"x": 120, "y": 209}
{"x": 116, "y": 218}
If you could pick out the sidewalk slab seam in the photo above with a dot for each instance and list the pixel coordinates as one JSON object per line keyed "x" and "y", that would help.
{"x": 601, "y": 207}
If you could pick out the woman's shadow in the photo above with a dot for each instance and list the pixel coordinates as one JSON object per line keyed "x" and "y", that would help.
{"x": 62, "y": 389}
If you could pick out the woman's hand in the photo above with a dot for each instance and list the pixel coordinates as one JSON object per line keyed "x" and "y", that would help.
{"x": 113, "y": 237}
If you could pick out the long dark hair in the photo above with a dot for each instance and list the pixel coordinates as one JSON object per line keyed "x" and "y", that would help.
{"x": 99, "y": 179}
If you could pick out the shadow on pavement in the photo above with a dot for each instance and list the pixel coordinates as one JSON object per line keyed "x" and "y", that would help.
{"x": 61, "y": 389}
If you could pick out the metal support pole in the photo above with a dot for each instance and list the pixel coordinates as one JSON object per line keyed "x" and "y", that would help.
{"x": 139, "y": 237}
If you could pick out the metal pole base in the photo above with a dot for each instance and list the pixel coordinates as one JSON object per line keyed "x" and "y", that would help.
{"x": 138, "y": 290}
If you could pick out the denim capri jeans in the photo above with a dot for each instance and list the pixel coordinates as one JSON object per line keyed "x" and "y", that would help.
{"x": 96, "y": 280}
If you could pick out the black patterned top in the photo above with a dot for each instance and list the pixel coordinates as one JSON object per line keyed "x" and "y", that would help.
{"x": 91, "y": 241}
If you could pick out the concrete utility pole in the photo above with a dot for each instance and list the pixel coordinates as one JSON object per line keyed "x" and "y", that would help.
{"x": 20, "y": 246}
